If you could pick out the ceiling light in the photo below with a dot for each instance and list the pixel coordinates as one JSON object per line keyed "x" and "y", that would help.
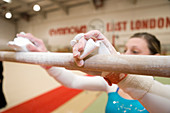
{"x": 8, "y": 1}
{"x": 36, "y": 7}
{"x": 8, "y": 15}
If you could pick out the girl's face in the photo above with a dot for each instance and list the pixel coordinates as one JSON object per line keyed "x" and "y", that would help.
{"x": 136, "y": 46}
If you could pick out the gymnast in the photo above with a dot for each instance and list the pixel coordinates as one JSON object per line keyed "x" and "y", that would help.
{"x": 126, "y": 93}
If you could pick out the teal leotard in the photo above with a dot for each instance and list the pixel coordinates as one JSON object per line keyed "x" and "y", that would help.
{"x": 118, "y": 104}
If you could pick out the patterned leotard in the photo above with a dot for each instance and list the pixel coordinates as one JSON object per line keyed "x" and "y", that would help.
{"x": 118, "y": 104}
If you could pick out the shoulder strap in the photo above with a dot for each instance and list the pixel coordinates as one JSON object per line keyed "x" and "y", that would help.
{"x": 117, "y": 89}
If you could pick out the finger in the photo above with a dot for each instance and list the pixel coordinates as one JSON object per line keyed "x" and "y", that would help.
{"x": 76, "y": 39}
{"x": 94, "y": 34}
{"x": 79, "y": 62}
{"x": 76, "y": 53}
{"x": 29, "y": 36}
{"x": 73, "y": 42}
{"x": 78, "y": 36}
{"x": 22, "y": 35}
{"x": 37, "y": 42}
{"x": 81, "y": 44}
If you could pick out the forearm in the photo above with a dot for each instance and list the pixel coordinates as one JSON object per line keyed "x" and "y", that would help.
{"x": 157, "y": 100}
{"x": 154, "y": 96}
{"x": 71, "y": 80}
{"x": 60, "y": 75}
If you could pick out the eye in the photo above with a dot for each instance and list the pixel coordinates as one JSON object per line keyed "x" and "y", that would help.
{"x": 124, "y": 51}
{"x": 135, "y": 52}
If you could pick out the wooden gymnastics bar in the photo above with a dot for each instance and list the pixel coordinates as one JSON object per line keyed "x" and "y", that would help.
{"x": 132, "y": 64}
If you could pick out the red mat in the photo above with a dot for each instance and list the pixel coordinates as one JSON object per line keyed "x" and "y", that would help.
{"x": 45, "y": 103}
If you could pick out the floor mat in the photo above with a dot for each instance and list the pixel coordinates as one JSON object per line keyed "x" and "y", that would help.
{"x": 45, "y": 103}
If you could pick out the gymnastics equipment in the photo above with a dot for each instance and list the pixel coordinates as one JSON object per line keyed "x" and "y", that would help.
{"x": 131, "y": 64}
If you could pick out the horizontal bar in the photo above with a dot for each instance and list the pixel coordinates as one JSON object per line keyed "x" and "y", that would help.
{"x": 131, "y": 64}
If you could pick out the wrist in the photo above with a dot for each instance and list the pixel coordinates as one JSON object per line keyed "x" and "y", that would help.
{"x": 113, "y": 78}
{"x": 136, "y": 85}
{"x": 121, "y": 77}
